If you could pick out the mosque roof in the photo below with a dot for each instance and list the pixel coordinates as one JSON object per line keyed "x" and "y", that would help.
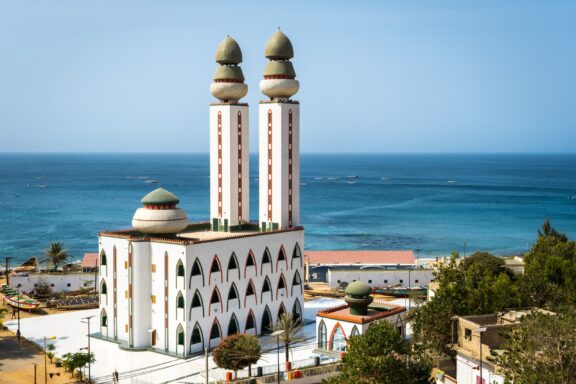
{"x": 279, "y": 47}
{"x": 226, "y": 72}
{"x": 358, "y": 288}
{"x": 160, "y": 196}
{"x": 228, "y": 52}
{"x": 275, "y": 68}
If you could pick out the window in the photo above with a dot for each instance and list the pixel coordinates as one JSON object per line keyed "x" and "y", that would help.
{"x": 339, "y": 281}
{"x": 103, "y": 288}
{"x": 296, "y": 255}
{"x": 281, "y": 283}
{"x": 401, "y": 281}
{"x": 369, "y": 281}
{"x": 416, "y": 281}
{"x": 250, "y": 289}
{"x": 181, "y": 338}
{"x": 250, "y": 261}
{"x": 196, "y": 301}
{"x": 196, "y": 270}
{"x": 266, "y": 327}
{"x": 281, "y": 255}
{"x": 266, "y": 286}
{"x": 215, "y": 297}
{"x": 180, "y": 269}
{"x": 322, "y": 335}
{"x": 338, "y": 340}
{"x": 215, "y": 331}
{"x": 35, "y": 285}
{"x": 232, "y": 264}
{"x": 180, "y": 301}
{"x": 215, "y": 266}
{"x": 103, "y": 259}
{"x": 196, "y": 335}
{"x": 233, "y": 326}
{"x": 354, "y": 331}
{"x": 467, "y": 334}
{"x": 385, "y": 281}
{"x": 232, "y": 294}
{"x": 250, "y": 321}
{"x": 266, "y": 257}
{"x": 52, "y": 285}
{"x": 68, "y": 284}
{"x": 104, "y": 320}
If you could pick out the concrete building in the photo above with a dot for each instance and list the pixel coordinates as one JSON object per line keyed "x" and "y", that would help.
{"x": 178, "y": 288}
{"x": 381, "y": 277}
{"x": 57, "y": 281}
{"x": 476, "y": 337}
{"x": 335, "y": 325}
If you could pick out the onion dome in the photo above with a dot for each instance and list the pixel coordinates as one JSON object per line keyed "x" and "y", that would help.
{"x": 228, "y": 85}
{"x": 228, "y": 52}
{"x": 279, "y": 47}
{"x": 160, "y": 215}
{"x": 358, "y": 297}
{"x": 279, "y": 76}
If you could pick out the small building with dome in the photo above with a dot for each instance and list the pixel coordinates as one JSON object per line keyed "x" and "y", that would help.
{"x": 176, "y": 287}
{"x": 335, "y": 325}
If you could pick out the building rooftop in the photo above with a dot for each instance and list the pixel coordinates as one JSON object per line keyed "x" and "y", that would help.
{"x": 360, "y": 257}
{"x": 194, "y": 233}
{"x": 376, "y": 310}
{"x": 90, "y": 260}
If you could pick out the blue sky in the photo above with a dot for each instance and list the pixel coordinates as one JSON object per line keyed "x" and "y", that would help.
{"x": 386, "y": 76}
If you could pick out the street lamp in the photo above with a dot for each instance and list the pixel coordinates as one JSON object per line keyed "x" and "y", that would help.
{"x": 18, "y": 301}
{"x": 277, "y": 334}
{"x": 480, "y": 331}
{"x": 7, "y": 271}
{"x": 89, "y": 355}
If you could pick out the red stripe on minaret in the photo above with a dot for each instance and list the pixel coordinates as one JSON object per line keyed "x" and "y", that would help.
{"x": 269, "y": 165}
{"x": 239, "y": 166}
{"x": 220, "y": 164}
{"x": 290, "y": 168}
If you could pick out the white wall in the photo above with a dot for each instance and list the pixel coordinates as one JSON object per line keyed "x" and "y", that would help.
{"x": 468, "y": 369}
{"x": 57, "y": 282}
{"x": 377, "y": 278}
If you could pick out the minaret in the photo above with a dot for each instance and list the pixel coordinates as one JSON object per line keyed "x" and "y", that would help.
{"x": 229, "y": 156}
{"x": 279, "y": 138}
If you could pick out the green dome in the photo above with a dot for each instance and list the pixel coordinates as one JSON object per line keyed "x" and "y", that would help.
{"x": 160, "y": 196}
{"x": 225, "y": 72}
{"x": 276, "y": 68}
{"x": 358, "y": 288}
{"x": 228, "y": 52}
{"x": 279, "y": 47}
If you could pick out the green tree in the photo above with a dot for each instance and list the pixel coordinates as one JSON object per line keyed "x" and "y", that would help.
{"x": 56, "y": 254}
{"x": 2, "y": 314}
{"x": 542, "y": 349}
{"x": 73, "y": 361}
{"x": 237, "y": 352}
{"x": 292, "y": 331}
{"x": 381, "y": 356}
{"x": 51, "y": 348}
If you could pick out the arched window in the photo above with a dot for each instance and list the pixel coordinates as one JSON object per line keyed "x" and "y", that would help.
{"x": 180, "y": 269}
{"x": 322, "y": 335}
{"x": 266, "y": 326}
{"x": 215, "y": 268}
{"x": 215, "y": 299}
{"x": 215, "y": 331}
{"x": 281, "y": 287}
{"x": 233, "y": 295}
{"x": 250, "y": 291}
{"x": 103, "y": 260}
{"x": 196, "y": 342}
{"x": 180, "y": 335}
{"x": 266, "y": 287}
{"x": 296, "y": 282}
{"x": 250, "y": 322}
{"x": 338, "y": 340}
{"x": 196, "y": 271}
{"x": 232, "y": 265}
{"x": 281, "y": 258}
{"x": 180, "y": 301}
{"x": 233, "y": 326}
{"x": 354, "y": 331}
{"x": 266, "y": 261}
{"x": 250, "y": 262}
{"x": 297, "y": 310}
{"x": 196, "y": 303}
{"x": 103, "y": 318}
{"x": 296, "y": 255}
{"x": 281, "y": 311}
{"x": 103, "y": 288}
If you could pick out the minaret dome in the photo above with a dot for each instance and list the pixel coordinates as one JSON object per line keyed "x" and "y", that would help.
{"x": 228, "y": 85}
{"x": 160, "y": 215}
{"x": 279, "y": 76}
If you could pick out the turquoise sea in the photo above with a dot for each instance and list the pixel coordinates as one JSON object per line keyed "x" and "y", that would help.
{"x": 435, "y": 203}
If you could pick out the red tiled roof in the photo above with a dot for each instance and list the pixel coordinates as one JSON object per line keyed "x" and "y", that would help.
{"x": 342, "y": 313}
{"x": 360, "y": 257}
{"x": 90, "y": 260}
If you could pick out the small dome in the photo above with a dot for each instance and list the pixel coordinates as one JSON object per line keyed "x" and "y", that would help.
{"x": 279, "y": 68}
{"x": 228, "y": 52}
{"x": 358, "y": 288}
{"x": 225, "y": 72}
{"x": 279, "y": 47}
{"x": 160, "y": 196}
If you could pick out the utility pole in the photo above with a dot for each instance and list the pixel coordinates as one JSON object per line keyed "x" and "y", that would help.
{"x": 89, "y": 355}
{"x": 206, "y": 358}
{"x": 409, "y": 290}
{"x": 35, "y": 372}
{"x": 18, "y": 330}
{"x": 481, "y": 331}
{"x": 7, "y": 271}
{"x": 45, "y": 362}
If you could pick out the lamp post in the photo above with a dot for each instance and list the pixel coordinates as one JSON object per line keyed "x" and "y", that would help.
{"x": 480, "y": 331}
{"x": 465, "y": 249}
{"x": 7, "y": 271}
{"x": 18, "y": 301}
{"x": 89, "y": 355}
{"x": 35, "y": 364}
{"x": 409, "y": 290}
{"x": 277, "y": 334}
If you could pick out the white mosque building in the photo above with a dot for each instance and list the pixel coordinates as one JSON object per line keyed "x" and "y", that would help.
{"x": 178, "y": 288}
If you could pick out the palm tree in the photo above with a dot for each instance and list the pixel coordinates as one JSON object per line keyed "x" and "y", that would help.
{"x": 236, "y": 352}
{"x": 291, "y": 327}
{"x": 56, "y": 254}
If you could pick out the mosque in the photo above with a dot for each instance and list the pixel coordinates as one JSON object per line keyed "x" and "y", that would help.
{"x": 178, "y": 287}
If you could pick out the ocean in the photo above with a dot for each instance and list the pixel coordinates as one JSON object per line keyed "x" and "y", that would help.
{"x": 434, "y": 203}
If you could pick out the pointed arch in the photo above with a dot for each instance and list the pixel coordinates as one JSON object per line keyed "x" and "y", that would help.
{"x": 250, "y": 291}
{"x": 104, "y": 290}
{"x": 233, "y": 326}
{"x": 197, "y": 302}
{"x": 281, "y": 257}
{"x": 281, "y": 285}
{"x": 215, "y": 298}
{"x": 251, "y": 322}
{"x": 196, "y": 271}
{"x": 103, "y": 262}
{"x": 215, "y": 267}
{"x": 281, "y": 311}
{"x": 338, "y": 338}
{"x": 180, "y": 336}
{"x": 266, "y": 287}
{"x": 233, "y": 295}
{"x": 296, "y": 282}
{"x": 179, "y": 304}
{"x": 297, "y": 311}
{"x": 354, "y": 332}
{"x": 232, "y": 265}
{"x": 103, "y": 318}
{"x": 180, "y": 272}
{"x": 196, "y": 339}
{"x": 215, "y": 332}
{"x": 266, "y": 261}
{"x": 266, "y": 324}
{"x": 322, "y": 335}
{"x": 250, "y": 262}
{"x": 296, "y": 255}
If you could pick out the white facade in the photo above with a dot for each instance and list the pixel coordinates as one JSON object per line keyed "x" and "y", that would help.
{"x": 279, "y": 196}
{"x": 229, "y": 165}
{"x": 181, "y": 297}
{"x": 468, "y": 371}
{"x": 57, "y": 282}
{"x": 381, "y": 277}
